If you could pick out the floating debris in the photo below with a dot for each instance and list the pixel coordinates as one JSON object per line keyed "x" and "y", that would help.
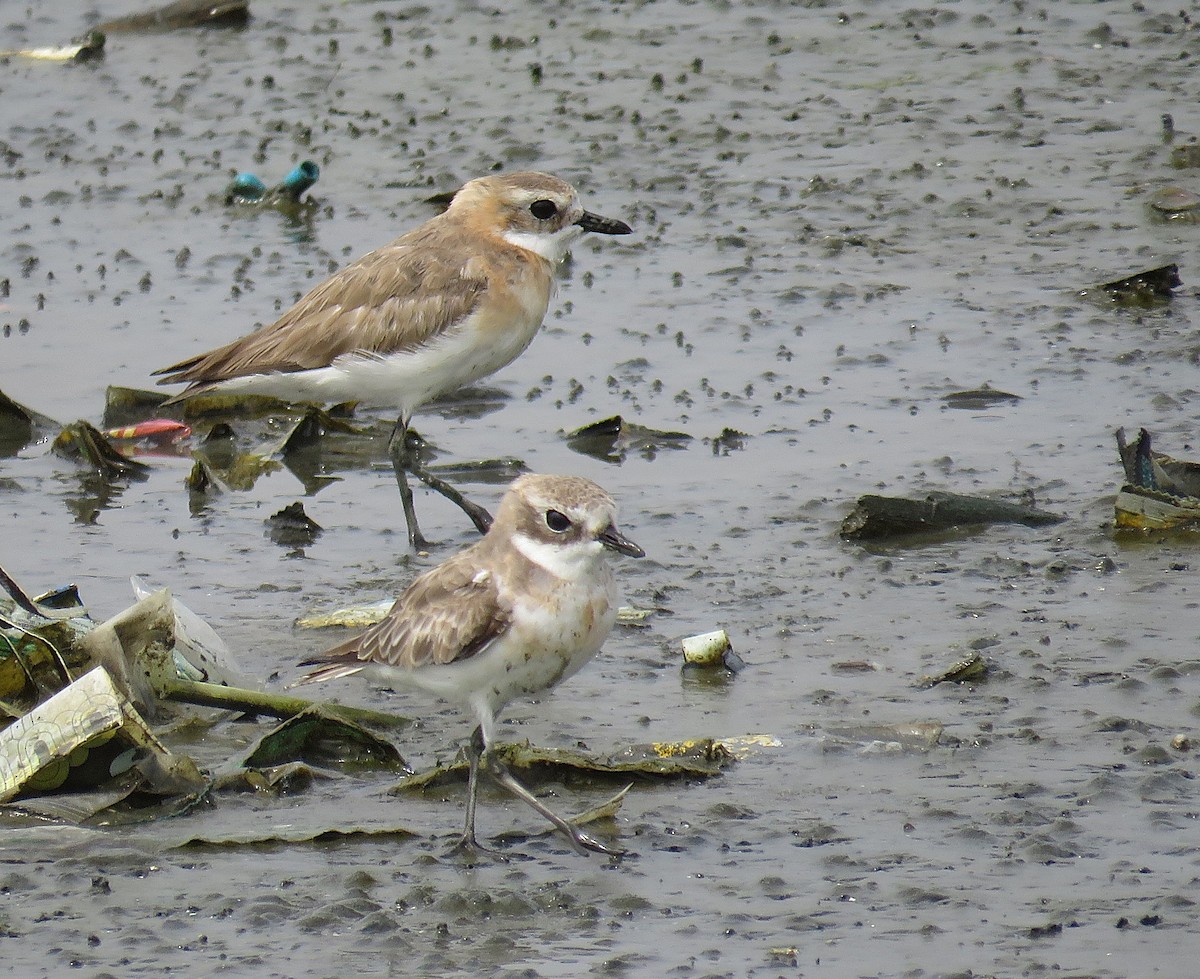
{"x": 1143, "y": 289}
{"x": 20, "y": 426}
{"x": 200, "y": 654}
{"x": 232, "y": 406}
{"x": 877, "y": 517}
{"x": 241, "y": 474}
{"x": 299, "y": 179}
{"x": 1186, "y": 157}
{"x": 707, "y": 649}
{"x": 728, "y": 440}
{"x": 90, "y": 734}
{"x": 292, "y": 527}
{"x": 86, "y": 48}
{"x": 312, "y": 428}
{"x": 83, "y": 442}
{"x": 87, "y": 732}
{"x": 183, "y": 13}
{"x": 318, "y": 736}
{"x": 890, "y": 738}
{"x": 612, "y": 438}
{"x": 1147, "y": 469}
{"x": 851, "y": 666}
{"x": 970, "y": 669}
{"x": 348, "y": 617}
{"x": 441, "y": 200}
{"x": 744, "y": 745}
{"x": 1160, "y": 492}
{"x": 633, "y": 617}
{"x": 160, "y": 431}
{"x": 495, "y": 472}
{"x": 711, "y": 651}
{"x": 124, "y": 406}
{"x": 248, "y": 188}
{"x": 1175, "y": 203}
{"x": 979, "y": 398}
{"x": 153, "y": 437}
{"x": 686, "y": 759}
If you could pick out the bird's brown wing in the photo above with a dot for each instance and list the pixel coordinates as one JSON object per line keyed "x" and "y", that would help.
{"x": 449, "y": 614}
{"x": 396, "y": 298}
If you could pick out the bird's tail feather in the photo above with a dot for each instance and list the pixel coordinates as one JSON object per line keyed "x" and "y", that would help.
{"x": 330, "y": 669}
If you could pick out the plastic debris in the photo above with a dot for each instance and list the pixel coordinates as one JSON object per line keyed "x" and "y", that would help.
{"x": 83, "y": 442}
{"x": 245, "y": 188}
{"x": 613, "y": 438}
{"x": 969, "y": 669}
{"x": 684, "y": 759}
{"x": 711, "y": 651}
{"x": 91, "y": 45}
{"x": 20, "y": 426}
{"x": 1160, "y": 492}
{"x": 349, "y": 616}
{"x": 979, "y": 399}
{"x": 248, "y": 188}
{"x": 744, "y": 745}
{"x": 39, "y": 751}
{"x": 1175, "y": 203}
{"x": 159, "y": 431}
{"x": 1150, "y": 288}
{"x": 727, "y": 440}
{"x": 318, "y": 736}
{"x": 888, "y": 738}
{"x": 200, "y": 654}
{"x": 292, "y": 527}
{"x": 184, "y": 13}
{"x": 875, "y": 517}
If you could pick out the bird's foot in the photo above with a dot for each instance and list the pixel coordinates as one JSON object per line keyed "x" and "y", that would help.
{"x": 584, "y": 843}
{"x": 473, "y": 851}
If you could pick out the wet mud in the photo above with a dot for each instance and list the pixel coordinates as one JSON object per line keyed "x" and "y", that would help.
{"x": 843, "y": 214}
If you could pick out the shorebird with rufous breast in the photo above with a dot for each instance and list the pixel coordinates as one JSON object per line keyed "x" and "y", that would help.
{"x": 441, "y": 307}
{"x": 516, "y": 613}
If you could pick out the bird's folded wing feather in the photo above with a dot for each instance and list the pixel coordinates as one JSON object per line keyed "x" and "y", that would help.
{"x": 394, "y": 299}
{"x": 445, "y": 616}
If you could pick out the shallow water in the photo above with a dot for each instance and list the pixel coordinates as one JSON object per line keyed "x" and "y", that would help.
{"x": 843, "y": 213}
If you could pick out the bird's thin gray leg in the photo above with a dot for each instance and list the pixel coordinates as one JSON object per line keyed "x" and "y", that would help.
{"x": 579, "y": 839}
{"x": 406, "y": 458}
{"x": 467, "y": 843}
{"x": 400, "y": 455}
{"x": 479, "y": 516}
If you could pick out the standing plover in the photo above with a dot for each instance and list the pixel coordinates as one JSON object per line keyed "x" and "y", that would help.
{"x": 442, "y": 306}
{"x": 516, "y": 613}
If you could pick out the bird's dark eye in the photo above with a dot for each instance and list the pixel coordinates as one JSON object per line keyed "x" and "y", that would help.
{"x": 543, "y": 209}
{"x": 558, "y": 522}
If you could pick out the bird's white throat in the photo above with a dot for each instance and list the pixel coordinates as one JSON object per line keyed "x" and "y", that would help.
{"x": 552, "y": 246}
{"x": 566, "y": 561}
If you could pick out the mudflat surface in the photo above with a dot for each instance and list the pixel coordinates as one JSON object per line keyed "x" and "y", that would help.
{"x": 843, "y": 213}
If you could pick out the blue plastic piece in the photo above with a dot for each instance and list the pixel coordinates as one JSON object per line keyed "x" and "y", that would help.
{"x": 245, "y": 187}
{"x": 302, "y": 176}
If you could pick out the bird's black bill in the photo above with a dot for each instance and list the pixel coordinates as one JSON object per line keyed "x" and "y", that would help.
{"x": 603, "y": 226}
{"x": 614, "y": 540}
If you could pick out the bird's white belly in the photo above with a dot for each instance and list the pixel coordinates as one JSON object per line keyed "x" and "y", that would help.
{"x": 404, "y": 380}
{"x": 546, "y": 644}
